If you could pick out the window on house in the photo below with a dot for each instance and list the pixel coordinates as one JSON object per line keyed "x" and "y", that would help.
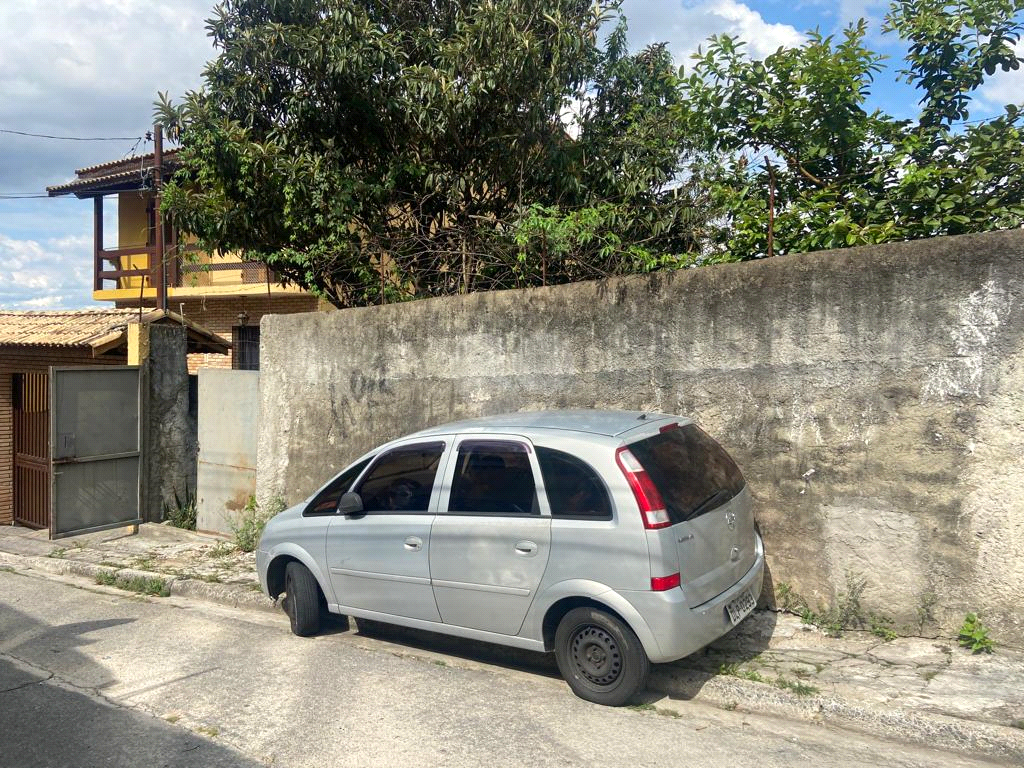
{"x": 246, "y": 339}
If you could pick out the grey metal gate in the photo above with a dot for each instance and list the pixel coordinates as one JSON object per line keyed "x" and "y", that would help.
{"x": 95, "y": 448}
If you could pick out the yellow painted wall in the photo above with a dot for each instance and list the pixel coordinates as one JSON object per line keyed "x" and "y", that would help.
{"x": 132, "y": 232}
{"x": 132, "y": 222}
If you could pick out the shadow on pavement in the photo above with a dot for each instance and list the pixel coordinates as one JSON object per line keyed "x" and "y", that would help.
{"x": 50, "y": 724}
{"x": 474, "y": 650}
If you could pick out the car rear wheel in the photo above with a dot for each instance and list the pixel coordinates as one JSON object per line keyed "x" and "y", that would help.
{"x": 600, "y": 657}
{"x": 302, "y": 600}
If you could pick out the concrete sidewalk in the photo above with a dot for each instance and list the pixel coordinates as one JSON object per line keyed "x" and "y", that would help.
{"x": 921, "y": 690}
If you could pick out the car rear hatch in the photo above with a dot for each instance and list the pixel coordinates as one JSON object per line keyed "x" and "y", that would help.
{"x": 710, "y": 519}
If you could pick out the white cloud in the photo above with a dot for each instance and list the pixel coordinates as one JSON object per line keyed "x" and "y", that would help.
{"x": 54, "y": 273}
{"x": 686, "y": 25}
{"x": 1002, "y": 88}
{"x": 89, "y": 68}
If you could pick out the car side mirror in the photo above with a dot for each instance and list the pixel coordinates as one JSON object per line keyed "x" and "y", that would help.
{"x": 350, "y": 503}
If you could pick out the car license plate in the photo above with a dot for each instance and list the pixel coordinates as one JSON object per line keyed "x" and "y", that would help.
{"x": 740, "y": 607}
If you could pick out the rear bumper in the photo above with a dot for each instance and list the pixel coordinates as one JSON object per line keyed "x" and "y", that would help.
{"x": 679, "y": 630}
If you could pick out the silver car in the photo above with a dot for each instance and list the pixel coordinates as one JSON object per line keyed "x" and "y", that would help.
{"x": 615, "y": 539}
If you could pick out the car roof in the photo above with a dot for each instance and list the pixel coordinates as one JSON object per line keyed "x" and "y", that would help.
{"x": 589, "y": 421}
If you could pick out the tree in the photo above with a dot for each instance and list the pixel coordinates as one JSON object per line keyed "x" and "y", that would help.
{"x": 378, "y": 151}
{"x": 794, "y": 130}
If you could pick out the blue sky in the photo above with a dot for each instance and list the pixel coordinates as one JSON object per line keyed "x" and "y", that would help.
{"x": 91, "y": 68}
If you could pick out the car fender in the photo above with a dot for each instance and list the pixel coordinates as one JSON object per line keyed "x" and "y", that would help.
{"x": 533, "y": 626}
{"x": 290, "y": 549}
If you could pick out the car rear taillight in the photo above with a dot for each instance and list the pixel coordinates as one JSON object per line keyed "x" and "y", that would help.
{"x": 652, "y": 507}
{"x": 664, "y": 583}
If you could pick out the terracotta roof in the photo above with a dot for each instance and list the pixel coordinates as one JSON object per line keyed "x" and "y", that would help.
{"x": 72, "y": 328}
{"x": 115, "y": 171}
{"x": 97, "y": 329}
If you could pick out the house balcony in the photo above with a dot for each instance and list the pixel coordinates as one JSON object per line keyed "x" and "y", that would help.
{"x": 131, "y": 275}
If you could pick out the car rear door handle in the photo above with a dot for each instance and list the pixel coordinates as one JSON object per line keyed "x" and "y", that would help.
{"x": 526, "y": 548}
{"x": 414, "y": 543}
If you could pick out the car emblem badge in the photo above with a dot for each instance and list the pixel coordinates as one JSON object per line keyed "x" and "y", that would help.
{"x": 730, "y": 520}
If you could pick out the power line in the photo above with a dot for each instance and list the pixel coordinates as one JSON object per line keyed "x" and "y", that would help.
{"x": 70, "y": 138}
{"x": 31, "y": 197}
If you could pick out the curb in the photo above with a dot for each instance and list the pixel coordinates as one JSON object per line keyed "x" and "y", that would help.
{"x": 729, "y": 693}
{"x": 925, "y": 729}
{"x": 231, "y": 595}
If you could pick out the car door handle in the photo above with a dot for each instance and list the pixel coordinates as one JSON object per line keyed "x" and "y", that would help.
{"x": 526, "y": 548}
{"x": 414, "y": 543}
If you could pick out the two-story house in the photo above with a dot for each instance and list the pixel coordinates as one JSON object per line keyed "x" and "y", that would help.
{"x": 221, "y": 293}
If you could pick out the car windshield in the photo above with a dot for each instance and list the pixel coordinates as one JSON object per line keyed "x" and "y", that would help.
{"x": 691, "y": 471}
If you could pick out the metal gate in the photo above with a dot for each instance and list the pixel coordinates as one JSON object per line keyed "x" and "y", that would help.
{"x": 31, "y": 401}
{"x": 228, "y": 407}
{"x": 95, "y": 447}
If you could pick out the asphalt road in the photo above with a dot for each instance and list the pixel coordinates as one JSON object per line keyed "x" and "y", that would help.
{"x": 93, "y": 677}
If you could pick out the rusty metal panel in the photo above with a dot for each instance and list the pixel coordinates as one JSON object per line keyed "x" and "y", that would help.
{"x": 95, "y": 448}
{"x": 226, "y": 475}
{"x": 31, "y": 406}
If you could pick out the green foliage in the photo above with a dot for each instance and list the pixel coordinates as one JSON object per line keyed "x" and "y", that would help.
{"x": 248, "y": 526}
{"x": 153, "y": 586}
{"x": 182, "y": 512}
{"x": 796, "y": 126}
{"x": 376, "y": 152}
{"x": 795, "y": 686}
{"x": 845, "y": 614}
{"x": 974, "y": 635}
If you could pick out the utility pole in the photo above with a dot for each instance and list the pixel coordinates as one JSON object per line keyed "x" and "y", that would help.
{"x": 158, "y": 182}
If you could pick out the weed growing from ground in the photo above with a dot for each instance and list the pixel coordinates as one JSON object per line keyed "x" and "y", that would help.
{"x": 800, "y": 689}
{"x": 248, "y": 526}
{"x": 974, "y": 635}
{"x": 141, "y": 585}
{"x": 182, "y": 512}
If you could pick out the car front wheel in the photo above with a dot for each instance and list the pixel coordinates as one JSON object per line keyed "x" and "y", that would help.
{"x": 600, "y": 657}
{"x": 302, "y": 599}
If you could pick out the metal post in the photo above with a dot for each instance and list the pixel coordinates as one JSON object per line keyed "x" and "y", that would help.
{"x": 97, "y": 239}
{"x": 158, "y": 181}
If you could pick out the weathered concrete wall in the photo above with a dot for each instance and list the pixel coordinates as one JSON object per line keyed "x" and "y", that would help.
{"x": 873, "y": 397}
{"x": 228, "y": 410}
{"x": 169, "y": 434}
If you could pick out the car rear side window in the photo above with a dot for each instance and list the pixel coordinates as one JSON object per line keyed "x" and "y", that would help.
{"x": 691, "y": 471}
{"x": 493, "y": 477}
{"x": 401, "y": 480}
{"x": 573, "y": 488}
{"x": 326, "y": 502}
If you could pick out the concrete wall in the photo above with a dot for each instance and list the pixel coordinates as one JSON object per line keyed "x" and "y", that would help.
{"x": 169, "y": 432}
{"x": 873, "y": 397}
{"x": 228, "y": 409}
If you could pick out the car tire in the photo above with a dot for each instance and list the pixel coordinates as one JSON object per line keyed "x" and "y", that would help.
{"x": 600, "y": 657}
{"x": 302, "y": 600}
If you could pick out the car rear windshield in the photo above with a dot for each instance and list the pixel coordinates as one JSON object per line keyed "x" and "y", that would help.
{"x": 691, "y": 471}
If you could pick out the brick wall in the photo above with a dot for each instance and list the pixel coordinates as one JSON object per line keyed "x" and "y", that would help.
{"x": 220, "y": 315}
{"x": 28, "y": 360}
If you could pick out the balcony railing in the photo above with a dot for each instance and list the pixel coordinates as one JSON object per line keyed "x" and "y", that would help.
{"x": 182, "y": 272}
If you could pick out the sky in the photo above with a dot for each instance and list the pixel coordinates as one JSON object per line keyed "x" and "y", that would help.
{"x": 91, "y": 69}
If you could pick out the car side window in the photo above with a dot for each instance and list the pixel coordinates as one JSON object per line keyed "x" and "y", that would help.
{"x": 401, "y": 479}
{"x": 573, "y": 487}
{"x": 493, "y": 477}
{"x": 326, "y": 502}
